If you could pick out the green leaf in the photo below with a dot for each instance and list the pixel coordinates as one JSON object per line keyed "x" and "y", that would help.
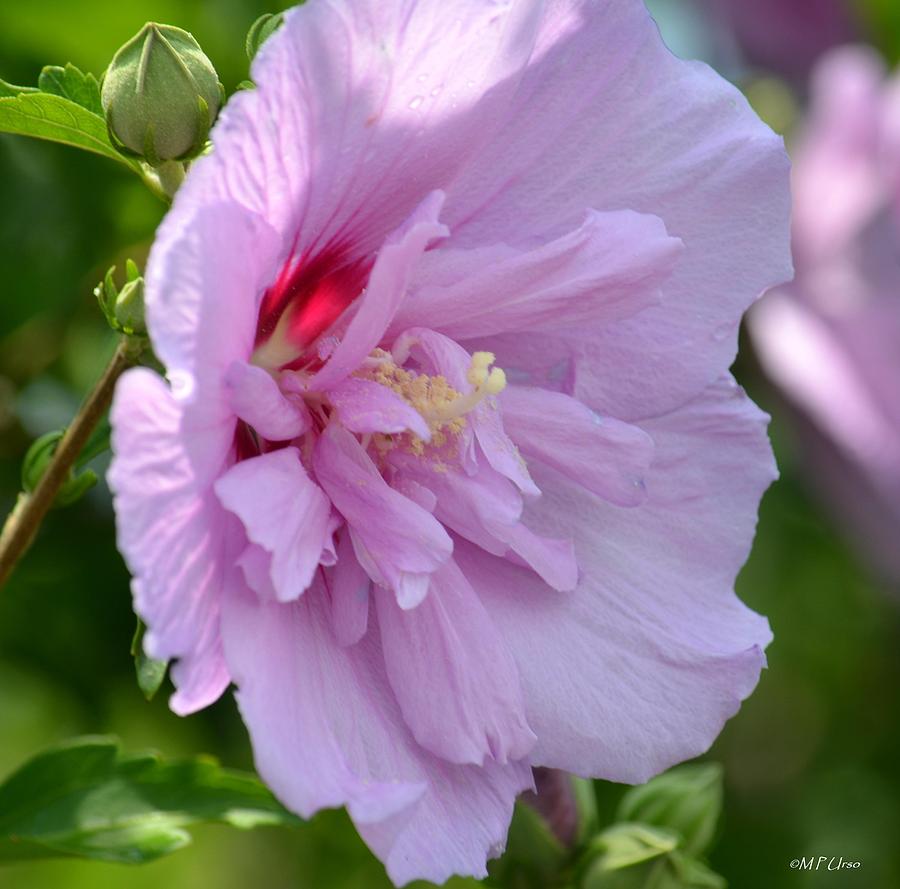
{"x": 625, "y": 845}
{"x": 687, "y": 800}
{"x": 58, "y": 119}
{"x": 260, "y": 31}
{"x": 85, "y": 799}
{"x": 634, "y": 856}
{"x": 72, "y": 84}
{"x": 150, "y": 672}
{"x": 8, "y": 90}
{"x": 694, "y": 874}
{"x": 534, "y": 857}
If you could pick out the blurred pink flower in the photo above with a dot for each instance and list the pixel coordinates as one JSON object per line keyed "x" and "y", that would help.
{"x": 831, "y": 339}
{"x": 785, "y": 36}
{"x": 451, "y": 480}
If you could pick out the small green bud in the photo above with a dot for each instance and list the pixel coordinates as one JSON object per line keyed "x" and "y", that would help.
{"x": 261, "y": 30}
{"x": 123, "y": 309}
{"x": 161, "y": 95}
{"x": 129, "y": 311}
{"x": 687, "y": 800}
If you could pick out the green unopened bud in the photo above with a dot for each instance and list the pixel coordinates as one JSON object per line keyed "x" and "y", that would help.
{"x": 123, "y": 309}
{"x": 129, "y": 310}
{"x": 261, "y": 30}
{"x": 687, "y": 800}
{"x": 161, "y": 95}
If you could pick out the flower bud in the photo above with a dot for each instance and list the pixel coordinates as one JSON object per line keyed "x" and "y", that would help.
{"x": 686, "y": 800}
{"x": 161, "y": 95}
{"x": 129, "y": 309}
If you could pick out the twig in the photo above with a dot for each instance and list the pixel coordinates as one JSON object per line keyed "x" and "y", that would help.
{"x": 23, "y": 522}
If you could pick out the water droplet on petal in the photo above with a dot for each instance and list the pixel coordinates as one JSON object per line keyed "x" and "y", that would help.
{"x": 416, "y": 102}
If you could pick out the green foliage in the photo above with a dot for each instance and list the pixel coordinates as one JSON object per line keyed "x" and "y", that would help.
{"x": 72, "y": 84}
{"x": 635, "y": 856}
{"x": 50, "y": 116}
{"x": 534, "y": 857}
{"x": 84, "y": 798}
{"x": 150, "y": 671}
{"x": 35, "y": 464}
{"x": 660, "y": 830}
{"x": 881, "y": 19}
{"x": 123, "y": 309}
{"x": 8, "y": 90}
{"x": 260, "y": 31}
{"x": 686, "y": 800}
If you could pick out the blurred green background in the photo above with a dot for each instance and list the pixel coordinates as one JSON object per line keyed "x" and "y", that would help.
{"x": 811, "y": 761}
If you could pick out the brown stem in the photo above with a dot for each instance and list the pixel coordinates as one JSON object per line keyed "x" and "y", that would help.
{"x": 23, "y": 522}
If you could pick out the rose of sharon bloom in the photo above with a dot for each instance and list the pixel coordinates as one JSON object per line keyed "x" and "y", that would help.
{"x": 831, "y": 339}
{"x": 449, "y": 477}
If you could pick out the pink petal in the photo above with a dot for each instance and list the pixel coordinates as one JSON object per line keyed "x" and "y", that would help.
{"x": 366, "y": 406}
{"x": 552, "y": 558}
{"x": 397, "y": 542}
{"x": 385, "y": 292}
{"x": 460, "y": 823}
{"x": 206, "y": 272}
{"x": 283, "y": 511}
{"x": 256, "y": 565}
{"x": 292, "y": 684}
{"x": 813, "y": 365}
{"x": 467, "y": 504}
{"x": 454, "y": 680}
{"x": 360, "y": 111}
{"x": 486, "y": 509}
{"x": 172, "y": 533}
{"x": 609, "y": 268}
{"x": 349, "y": 585}
{"x": 300, "y": 690}
{"x": 606, "y": 456}
{"x": 643, "y": 663}
{"x": 498, "y": 448}
{"x": 254, "y": 396}
{"x": 647, "y": 132}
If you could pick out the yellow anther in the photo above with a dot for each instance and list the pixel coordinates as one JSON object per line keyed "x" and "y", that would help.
{"x": 496, "y": 382}
{"x": 442, "y": 406}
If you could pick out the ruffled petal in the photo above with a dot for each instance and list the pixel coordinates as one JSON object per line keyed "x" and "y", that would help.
{"x": 462, "y": 821}
{"x": 455, "y": 682}
{"x": 359, "y": 111}
{"x": 349, "y": 586}
{"x": 172, "y": 534}
{"x": 366, "y": 406}
{"x": 254, "y": 396}
{"x": 652, "y": 133}
{"x": 640, "y": 666}
{"x": 398, "y": 542}
{"x": 609, "y": 268}
{"x": 283, "y": 511}
{"x": 205, "y": 276}
{"x": 606, "y": 456}
{"x": 385, "y": 292}
{"x": 327, "y": 731}
{"x": 291, "y": 679}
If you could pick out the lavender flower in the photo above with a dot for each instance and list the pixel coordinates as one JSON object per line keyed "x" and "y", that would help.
{"x": 451, "y": 480}
{"x": 831, "y": 340}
